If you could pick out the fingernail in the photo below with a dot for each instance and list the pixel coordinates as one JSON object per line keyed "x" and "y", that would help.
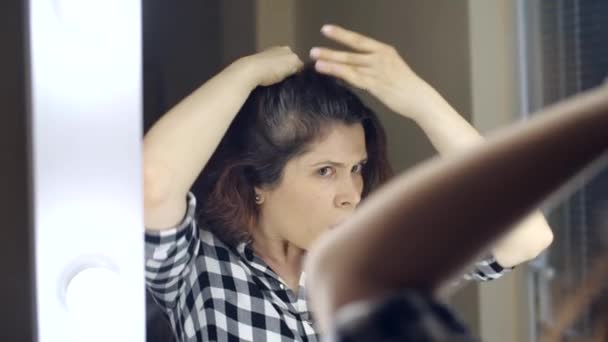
{"x": 315, "y": 52}
{"x": 326, "y": 28}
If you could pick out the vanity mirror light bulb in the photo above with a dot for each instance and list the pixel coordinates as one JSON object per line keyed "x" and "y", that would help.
{"x": 85, "y": 71}
{"x": 94, "y": 298}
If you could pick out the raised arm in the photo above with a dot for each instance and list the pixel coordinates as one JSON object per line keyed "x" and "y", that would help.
{"x": 379, "y": 251}
{"x": 179, "y": 145}
{"x": 450, "y": 133}
{"x": 378, "y": 68}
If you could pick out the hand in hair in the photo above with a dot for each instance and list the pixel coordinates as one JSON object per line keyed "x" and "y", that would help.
{"x": 179, "y": 145}
{"x": 378, "y": 68}
{"x": 373, "y": 66}
{"x": 272, "y": 65}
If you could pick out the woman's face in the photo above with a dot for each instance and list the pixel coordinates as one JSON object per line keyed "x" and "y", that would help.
{"x": 319, "y": 189}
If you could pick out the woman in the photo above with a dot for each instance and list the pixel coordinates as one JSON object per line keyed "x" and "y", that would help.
{"x": 295, "y": 162}
{"x": 364, "y": 278}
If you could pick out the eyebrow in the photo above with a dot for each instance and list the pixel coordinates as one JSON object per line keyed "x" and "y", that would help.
{"x": 336, "y": 164}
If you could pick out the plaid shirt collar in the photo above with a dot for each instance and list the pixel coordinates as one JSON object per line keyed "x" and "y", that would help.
{"x": 271, "y": 281}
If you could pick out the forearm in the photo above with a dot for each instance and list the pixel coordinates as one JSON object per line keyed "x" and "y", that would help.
{"x": 524, "y": 242}
{"x": 446, "y": 129}
{"x": 412, "y": 246}
{"x": 179, "y": 145}
{"x": 449, "y": 132}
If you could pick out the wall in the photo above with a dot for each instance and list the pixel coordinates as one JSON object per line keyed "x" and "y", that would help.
{"x": 433, "y": 37}
{"x": 465, "y": 49}
{"x": 182, "y": 48}
{"x": 505, "y": 305}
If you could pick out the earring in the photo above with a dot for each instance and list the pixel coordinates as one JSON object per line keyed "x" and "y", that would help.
{"x": 258, "y": 199}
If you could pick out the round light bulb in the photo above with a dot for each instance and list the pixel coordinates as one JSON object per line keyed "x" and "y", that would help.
{"x": 93, "y": 299}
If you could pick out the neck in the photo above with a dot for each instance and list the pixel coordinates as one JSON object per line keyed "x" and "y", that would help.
{"x": 283, "y": 257}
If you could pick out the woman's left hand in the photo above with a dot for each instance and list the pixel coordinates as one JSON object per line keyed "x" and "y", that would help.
{"x": 373, "y": 66}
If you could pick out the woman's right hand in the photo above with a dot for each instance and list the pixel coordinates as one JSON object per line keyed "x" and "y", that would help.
{"x": 271, "y": 65}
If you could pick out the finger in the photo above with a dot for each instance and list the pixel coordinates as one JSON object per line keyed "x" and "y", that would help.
{"x": 279, "y": 50}
{"x": 298, "y": 65}
{"x": 348, "y": 73}
{"x": 289, "y": 65}
{"x": 354, "y": 40}
{"x": 289, "y": 57}
{"x": 325, "y": 54}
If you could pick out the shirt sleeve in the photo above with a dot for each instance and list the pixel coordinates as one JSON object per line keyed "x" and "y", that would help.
{"x": 169, "y": 255}
{"x": 486, "y": 270}
{"x": 406, "y": 316}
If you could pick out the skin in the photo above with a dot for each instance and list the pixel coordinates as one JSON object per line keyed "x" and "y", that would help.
{"x": 378, "y": 251}
{"x": 378, "y": 68}
{"x": 319, "y": 189}
{"x": 198, "y": 123}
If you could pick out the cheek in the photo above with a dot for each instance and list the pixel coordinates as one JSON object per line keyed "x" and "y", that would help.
{"x": 360, "y": 183}
{"x": 312, "y": 192}
{"x": 325, "y": 194}
{"x": 311, "y": 208}
{"x": 304, "y": 203}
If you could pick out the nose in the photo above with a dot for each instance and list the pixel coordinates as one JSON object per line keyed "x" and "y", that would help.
{"x": 349, "y": 193}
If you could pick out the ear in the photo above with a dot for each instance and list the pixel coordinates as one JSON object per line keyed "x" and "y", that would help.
{"x": 259, "y": 195}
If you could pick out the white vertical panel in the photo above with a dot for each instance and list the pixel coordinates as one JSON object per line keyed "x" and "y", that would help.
{"x": 504, "y": 313}
{"x": 86, "y": 131}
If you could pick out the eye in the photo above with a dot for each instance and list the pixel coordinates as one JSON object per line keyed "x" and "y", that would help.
{"x": 325, "y": 171}
{"x": 358, "y": 168}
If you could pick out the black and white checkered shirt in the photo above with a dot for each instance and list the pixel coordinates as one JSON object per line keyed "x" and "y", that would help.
{"x": 212, "y": 292}
{"x": 406, "y": 316}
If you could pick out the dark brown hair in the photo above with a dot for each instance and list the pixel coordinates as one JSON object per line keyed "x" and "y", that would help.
{"x": 276, "y": 124}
